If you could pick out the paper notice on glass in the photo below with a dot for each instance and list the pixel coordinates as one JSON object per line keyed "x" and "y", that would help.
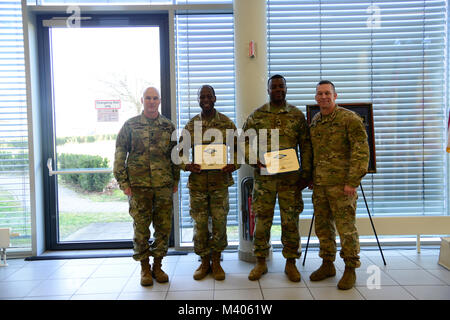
{"x": 281, "y": 161}
{"x": 210, "y": 156}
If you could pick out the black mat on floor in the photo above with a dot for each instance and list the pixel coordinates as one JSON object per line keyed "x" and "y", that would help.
{"x": 92, "y": 256}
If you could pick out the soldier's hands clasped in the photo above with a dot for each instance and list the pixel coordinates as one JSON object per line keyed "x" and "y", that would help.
{"x": 193, "y": 167}
{"x": 229, "y": 168}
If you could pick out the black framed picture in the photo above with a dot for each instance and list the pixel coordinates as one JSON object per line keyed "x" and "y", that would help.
{"x": 365, "y": 111}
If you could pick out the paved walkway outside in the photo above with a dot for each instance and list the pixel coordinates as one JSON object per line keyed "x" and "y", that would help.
{"x": 70, "y": 201}
{"x": 103, "y": 231}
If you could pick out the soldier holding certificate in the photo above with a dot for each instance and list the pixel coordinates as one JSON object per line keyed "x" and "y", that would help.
{"x": 209, "y": 181}
{"x": 293, "y": 134}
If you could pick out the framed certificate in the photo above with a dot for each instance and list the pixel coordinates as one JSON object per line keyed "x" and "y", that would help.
{"x": 281, "y": 161}
{"x": 210, "y": 156}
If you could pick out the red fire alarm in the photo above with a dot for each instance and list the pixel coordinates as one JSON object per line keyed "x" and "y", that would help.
{"x": 251, "y": 49}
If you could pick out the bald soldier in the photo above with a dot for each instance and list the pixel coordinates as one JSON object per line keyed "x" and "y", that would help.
{"x": 208, "y": 189}
{"x": 293, "y": 131}
{"x": 341, "y": 159}
{"x": 145, "y": 172}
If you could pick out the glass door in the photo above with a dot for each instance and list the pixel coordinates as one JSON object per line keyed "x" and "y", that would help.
{"x": 97, "y": 72}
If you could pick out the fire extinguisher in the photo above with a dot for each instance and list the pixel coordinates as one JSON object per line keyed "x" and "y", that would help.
{"x": 251, "y": 217}
{"x": 248, "y": 217}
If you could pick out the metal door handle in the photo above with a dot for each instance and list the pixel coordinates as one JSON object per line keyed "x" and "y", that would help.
{"x": 51, "y": 172}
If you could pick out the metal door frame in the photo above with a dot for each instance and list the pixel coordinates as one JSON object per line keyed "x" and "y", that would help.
{"x": 48, "y": 119}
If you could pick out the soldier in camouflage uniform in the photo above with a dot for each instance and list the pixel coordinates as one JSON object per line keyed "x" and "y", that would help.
{"x": 341, "y": 159}
{"x": 293, "y": 133}
{"x": 208, "y": 189}
{"x": 144, "y": 171}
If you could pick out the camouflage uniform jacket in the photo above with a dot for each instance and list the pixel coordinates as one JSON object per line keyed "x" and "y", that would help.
{"x": 340, "y": 147}
{"x": 293, "y": 133}
{"x": 143, "y": 150}
{"x": 210, "y": 179}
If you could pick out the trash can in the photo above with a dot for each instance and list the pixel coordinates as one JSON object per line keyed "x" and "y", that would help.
{"x": 444, "y": 254}
{"x": 4, "y": 243}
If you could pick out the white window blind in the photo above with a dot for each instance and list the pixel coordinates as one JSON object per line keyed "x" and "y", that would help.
{"x": 390, "y": 53}
{"x": 204, "y": 55}
{"x": 14, "y": 173}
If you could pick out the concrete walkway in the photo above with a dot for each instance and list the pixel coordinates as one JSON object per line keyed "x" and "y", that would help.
{"x": 103, "y": 231}
{"x": 70, "y": 201}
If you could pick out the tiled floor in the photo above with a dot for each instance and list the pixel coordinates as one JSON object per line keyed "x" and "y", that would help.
{"x": 408, "y": 275}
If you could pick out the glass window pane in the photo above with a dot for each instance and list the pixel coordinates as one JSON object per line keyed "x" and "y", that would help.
{"x": 99, "y": 75}
{"x": 391, "y": 54}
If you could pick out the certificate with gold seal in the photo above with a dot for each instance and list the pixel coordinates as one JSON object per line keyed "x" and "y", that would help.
{"x": 281, "y": 161}
{"x": 210, "y": 156}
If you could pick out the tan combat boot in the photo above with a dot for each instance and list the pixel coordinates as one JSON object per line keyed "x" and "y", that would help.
{"x": 259, "y": 269}
{"x": 157, "y": 272}
{"x": 217, "y": 270}
{"x": 146, "y": 273}
{"x": 291, "y": 270}
{"x": 326, "y": 270}
{"x": 203, "y": 270}
{"x": 348, "y": 279}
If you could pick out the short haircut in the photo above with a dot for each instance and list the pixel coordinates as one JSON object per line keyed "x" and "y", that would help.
{"x": 154, "y": 88}
{"x": 326, "y": 82}
{"x": 276, "y": 76}
{"x": 207, "y": 86}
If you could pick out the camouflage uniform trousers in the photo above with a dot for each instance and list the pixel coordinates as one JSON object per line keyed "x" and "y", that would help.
{"x": 291, "y": 205}
{"x": 151, "y": 205}
{"x": 335, "y": 210}
{"x": 205, "y": 204}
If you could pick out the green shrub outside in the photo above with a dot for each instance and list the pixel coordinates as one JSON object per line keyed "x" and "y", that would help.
{"x": 85, "y": 139}
{"x": 87, "y": 181}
